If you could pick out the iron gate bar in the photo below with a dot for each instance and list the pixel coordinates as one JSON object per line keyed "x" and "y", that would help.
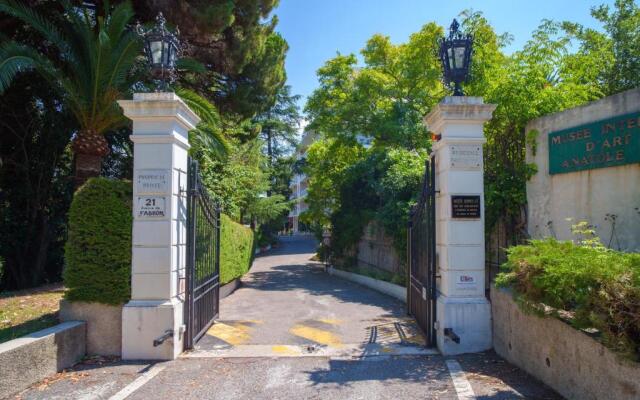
{"x": 421, "y": 256}
{"x": 203, "y": 258}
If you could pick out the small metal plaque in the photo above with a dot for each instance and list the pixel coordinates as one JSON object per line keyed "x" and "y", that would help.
{"x": 465, "y": 207}
{"x": 152, "y": 181}
{"x": 466, "y": 156}
{"x": 151, "y": 207}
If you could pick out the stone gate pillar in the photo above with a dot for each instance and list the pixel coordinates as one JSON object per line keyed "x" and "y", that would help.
{"x": 161, "y": 122}
{"x": 463, "y": 312}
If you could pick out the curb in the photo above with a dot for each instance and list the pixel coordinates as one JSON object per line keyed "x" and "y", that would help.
{"x": 230, "y": 287}
{"x": 390, "y": 289}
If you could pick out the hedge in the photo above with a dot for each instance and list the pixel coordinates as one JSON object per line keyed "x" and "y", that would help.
{"x": 98, "y": 249}
{"x": 236, "y": 250}
{"x": 600, "y": 288}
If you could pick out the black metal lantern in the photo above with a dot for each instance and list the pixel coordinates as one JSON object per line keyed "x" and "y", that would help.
{"x": 455, "y": 54}
{"x": 162, "y": 49}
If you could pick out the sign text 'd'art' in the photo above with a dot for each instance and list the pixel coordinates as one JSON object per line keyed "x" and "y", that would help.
{"x": 606, "y": 143}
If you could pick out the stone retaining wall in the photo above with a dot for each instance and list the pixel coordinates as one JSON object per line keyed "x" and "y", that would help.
{"x": 375, "y": 249}
{"x": 104, "y": 325}
{"x": 31, "y": 358}
{"x": 387, "y": 288}
{"x": 568, "y": 360}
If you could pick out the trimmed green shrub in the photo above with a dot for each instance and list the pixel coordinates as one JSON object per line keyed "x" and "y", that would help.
{"x": 600, "y": 287}
{"x": 236, "y": 249}
{"x": 98, "y": 249}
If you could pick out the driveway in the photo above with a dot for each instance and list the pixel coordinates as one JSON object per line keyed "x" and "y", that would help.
{"x": 293, "y": 331}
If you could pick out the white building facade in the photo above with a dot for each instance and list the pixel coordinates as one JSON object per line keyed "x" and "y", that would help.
{"x": 300, "y": 184}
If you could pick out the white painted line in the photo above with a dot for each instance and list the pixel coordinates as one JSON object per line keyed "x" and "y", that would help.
{"x": 138, "y": 383}
{"x": 460, "y": 382}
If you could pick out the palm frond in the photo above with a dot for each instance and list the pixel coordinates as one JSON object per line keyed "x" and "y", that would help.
{"x": 16, "y": 58}
{"x": 118, "y": 20}
{"x": 212, "y": 139}
{"x": 191, "y": 65}
{"x": 201, "y": 106}
{"x": 38, "y": 22}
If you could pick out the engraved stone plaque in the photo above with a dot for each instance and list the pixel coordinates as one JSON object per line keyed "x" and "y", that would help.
{"x": 465, "y": 156}
{"x": 150, "y": 181}
{"x": 151, "y": 207}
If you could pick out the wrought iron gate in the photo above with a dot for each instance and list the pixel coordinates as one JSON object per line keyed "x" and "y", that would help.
{"x": 203, "y": 258}
{"x": 421, "y": 256}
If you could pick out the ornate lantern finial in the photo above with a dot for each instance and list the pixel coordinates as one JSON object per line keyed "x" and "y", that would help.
{"x": 162, "y": 49}
{"x": 455, "y": 55}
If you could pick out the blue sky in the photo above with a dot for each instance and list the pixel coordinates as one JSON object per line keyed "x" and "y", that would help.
{"x": 317, "y": 29}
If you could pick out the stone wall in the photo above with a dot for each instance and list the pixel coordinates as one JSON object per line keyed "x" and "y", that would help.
{"x": 585, "y": 195}
{"x": 38, "y": 355}
{"x": 568, "y": 360}
{"x": 376, "y": 250}
{"x": 103, "y": 325}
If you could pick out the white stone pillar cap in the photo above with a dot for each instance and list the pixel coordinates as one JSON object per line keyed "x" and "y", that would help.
{"x": 158, "y": 106}
{"x": 458, "y": 110}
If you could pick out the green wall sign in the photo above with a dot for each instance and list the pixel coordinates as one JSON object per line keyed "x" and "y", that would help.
{"x": 606, "y": 143}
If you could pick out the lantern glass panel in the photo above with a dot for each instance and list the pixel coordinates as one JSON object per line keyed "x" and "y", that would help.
{"x": 156, "y": 51}
{"x": 165, "y": 53}
{"x": 459, "y": 56}
{"x": 172, "y": 55}
{"x": 451, "y": 58}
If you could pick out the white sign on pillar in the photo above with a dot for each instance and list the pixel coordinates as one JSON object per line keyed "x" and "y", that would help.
{"x": 161, "y": 122}
{"x": 461, "y": 307}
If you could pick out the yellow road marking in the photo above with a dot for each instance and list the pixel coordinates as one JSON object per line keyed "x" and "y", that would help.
{"x": 330, "y": 321}
{"x": 233, "y": 335}
{"x": 286, "y": 350}
{"x": 316, "y": 335}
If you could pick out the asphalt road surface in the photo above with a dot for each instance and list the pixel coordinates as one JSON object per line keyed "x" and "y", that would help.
{"x": 294, "y": 332}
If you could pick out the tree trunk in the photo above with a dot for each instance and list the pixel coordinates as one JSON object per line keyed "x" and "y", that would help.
{"x": 270, "y": 154}
{"x": 89, "y": 147}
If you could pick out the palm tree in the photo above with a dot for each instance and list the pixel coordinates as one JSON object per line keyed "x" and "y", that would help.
{"x": 209, "y": 132}
{"x": 92, "y": 69}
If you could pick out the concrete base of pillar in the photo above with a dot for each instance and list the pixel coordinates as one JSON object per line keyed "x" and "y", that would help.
{"x": 143, "y": 321}
{"x": 470, "y": 320}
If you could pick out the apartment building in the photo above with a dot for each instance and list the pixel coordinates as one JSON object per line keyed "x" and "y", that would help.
{"x": 299, "y": 185}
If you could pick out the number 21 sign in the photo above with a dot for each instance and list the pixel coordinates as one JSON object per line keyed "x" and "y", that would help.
{"x": 151, "y": 207}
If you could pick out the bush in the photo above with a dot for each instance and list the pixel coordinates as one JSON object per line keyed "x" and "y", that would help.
{"x": 600, "y": 286}
{"x": 236, "y": 250}
{"x": 98, "y": 249}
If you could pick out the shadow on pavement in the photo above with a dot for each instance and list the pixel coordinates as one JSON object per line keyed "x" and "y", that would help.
{"x": 312, "y": 279}
{"x": 383, "y": 369}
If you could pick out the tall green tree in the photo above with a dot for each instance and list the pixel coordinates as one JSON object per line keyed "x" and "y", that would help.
{"x": 237, "y": 43}
{"x": 611, "y": 55}
{"x": 92, "y": 70}
{"x": 35, "y": 182}
{"x": 280, "y": 124}
{"x": 386, "y": 98}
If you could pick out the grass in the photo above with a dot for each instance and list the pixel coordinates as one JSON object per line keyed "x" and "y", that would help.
{"x": 26, "y": 311}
